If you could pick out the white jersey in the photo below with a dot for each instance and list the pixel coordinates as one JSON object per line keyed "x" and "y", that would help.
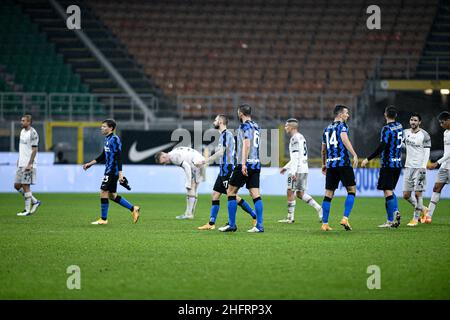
{"x": 298, "y": 153}
{"x": 28, "y": 140}
{"x": 185, "y": 154}
{"x": 417, "y": 148}
{"x": 186, "y": 158}
{"x": 445, "y": 160}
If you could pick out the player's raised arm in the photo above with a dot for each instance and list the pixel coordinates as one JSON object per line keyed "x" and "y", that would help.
{"x": 219, "y": 152}
{"x": 349, "y": 146}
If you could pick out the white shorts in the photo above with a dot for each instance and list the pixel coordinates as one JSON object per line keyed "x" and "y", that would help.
{"x": 300, "y": 184}
{"x": 443, "y": 176}
{"x": 414, "y": 179}
{"x": 25, "y": 177}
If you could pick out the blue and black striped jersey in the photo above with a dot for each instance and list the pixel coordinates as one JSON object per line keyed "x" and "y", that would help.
{"x": 112, "y": 149}
{"x": 249, "y": 130}
{"x": 337, "y": 153}
{"x": 391, "y": 138}
{"x": 227, "y": 161}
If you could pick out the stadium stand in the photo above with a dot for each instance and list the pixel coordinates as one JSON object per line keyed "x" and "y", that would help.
{"x": 267, "y": 46}
{"x": 26, "y": 53}
{"x": 80, "y": 57}
{"x": 30, "y": 63}
{"x": 282, "y": 56}
{"x": 437, "y": 47}
{"x": 39, "y": 56}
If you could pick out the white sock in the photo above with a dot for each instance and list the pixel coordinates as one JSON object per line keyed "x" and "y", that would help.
{"x": 419, "y": 203}
{"x": 27, "y": 196}
{"x": 190, "y": 205}
{"x": 417, "y": 214}
{"x": 433, "y": 203}
{"x": 33, "y": 199}
{"x": 195, "y": 205}
{"x": 419, "y": 208}
{"x": 21, "y": 192}
{"x": 412, "y": 200}
{"x": 291, "y": 210}
{"x": 309, "y": 200}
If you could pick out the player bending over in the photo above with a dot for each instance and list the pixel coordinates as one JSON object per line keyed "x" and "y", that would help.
{"x": 26, "y": 165}
{"x": 443, "y": 163}
{"x": 111, "y": 154}
{"x": 247, "y": 171}
{"x": 297, "y": 169}
{"x": 226, "y": 153}
{"x": 390, "y": 149}
{"x": 188, "y": 159}
{"x": 418, "y": 143}
{"x": 336, "y": 165}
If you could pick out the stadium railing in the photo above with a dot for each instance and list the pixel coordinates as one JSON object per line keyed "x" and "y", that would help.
{"x": 74, "y": 106}
{"x": 408, "y": 67}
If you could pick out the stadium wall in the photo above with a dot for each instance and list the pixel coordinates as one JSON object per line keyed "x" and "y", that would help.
{"x": 170, "y": 179}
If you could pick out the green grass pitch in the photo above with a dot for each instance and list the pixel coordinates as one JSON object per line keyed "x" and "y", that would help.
{"x": 163, "y": 258}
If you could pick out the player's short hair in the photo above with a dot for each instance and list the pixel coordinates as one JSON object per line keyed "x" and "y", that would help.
{"x": 158, "y": 157}
{"x": 28, "y": 117}
{"x": 224, "y": 118}
{"x": 339, "y": 108}
{"x": 391, "y": 112}
{"x": 418, "y": 116}
{"x": 292, "y": 121}
{"x": 444, "y": 115}
{"x": 110, "y": 123}
{"x": 245, "y": 109}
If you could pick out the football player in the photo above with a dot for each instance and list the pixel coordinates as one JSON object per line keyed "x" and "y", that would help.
{"x": 112, "y": 156}
{"x": 297, "y": 168}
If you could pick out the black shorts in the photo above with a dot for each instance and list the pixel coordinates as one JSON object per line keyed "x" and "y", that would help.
{"x": 109, "y": 183}
{"x": 336, "y": 175}
{"x": 237, "y": 179}
{"x": 388, "y": 178}
{"x": 221, "y": 184}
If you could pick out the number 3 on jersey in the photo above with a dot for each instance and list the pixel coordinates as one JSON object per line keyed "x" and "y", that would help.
{"x": 331, "y": 141}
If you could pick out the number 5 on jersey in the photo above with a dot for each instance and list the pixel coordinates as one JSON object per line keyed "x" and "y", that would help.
{"x": 400, "y": 139}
